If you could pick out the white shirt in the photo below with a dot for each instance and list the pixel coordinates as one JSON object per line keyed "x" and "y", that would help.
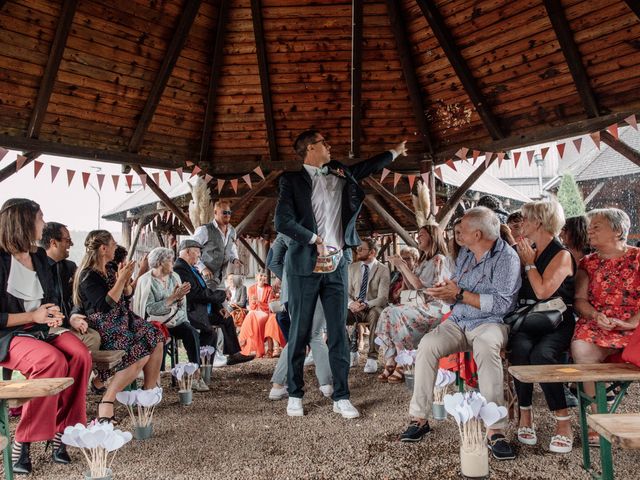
{"x": 201, "y": 236}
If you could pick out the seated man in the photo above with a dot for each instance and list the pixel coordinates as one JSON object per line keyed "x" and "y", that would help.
{"x": 483, "y": 290}
{"x": 368, "y": 295}
{"x": 204, "y": 306}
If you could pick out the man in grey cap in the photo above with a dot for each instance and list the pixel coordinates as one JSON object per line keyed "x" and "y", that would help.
{"x": 204, "y": 306}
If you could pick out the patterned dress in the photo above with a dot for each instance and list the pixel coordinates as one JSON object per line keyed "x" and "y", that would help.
{"x": 401, "y": 327}
{"x": 614, "y": 289}
{"x": 118, "y": 326}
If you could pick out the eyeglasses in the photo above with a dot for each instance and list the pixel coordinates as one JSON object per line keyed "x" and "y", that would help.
{"x": 227, "y": 212}
{"x": 66, "y": 239}
{"x": 322, "y": 140}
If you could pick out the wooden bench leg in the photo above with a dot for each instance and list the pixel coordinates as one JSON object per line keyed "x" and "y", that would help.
{"x": 4, "y": 430}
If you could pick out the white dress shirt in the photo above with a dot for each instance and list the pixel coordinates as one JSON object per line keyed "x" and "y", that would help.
{"x": 326, "y": 200}
{"x": 201, "y": 236}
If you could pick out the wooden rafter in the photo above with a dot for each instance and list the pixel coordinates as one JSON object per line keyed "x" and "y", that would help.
{"x": 572, "y": 56}
{"x": 251, "y": 217}
{"x": 214, "y": 76}
{"x": 258, "y": 188}
{"x": 162, "y": 76}
{"x": 263, "y": 69}
{"x": 10, "y": 169}
{"x": 622, "y": 148}
{"x": 51, "y": 70}
{"x": 448, "y": 44}
{"x": 373, "y": 204}
{"x": 409, "y": 73}
{"x": 390, "y": 198}
{"x": 356, "y": 77}
{"x": 635, "y": 6}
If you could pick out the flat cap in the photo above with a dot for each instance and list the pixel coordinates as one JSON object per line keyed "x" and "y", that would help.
{"x": 188, "y": 243}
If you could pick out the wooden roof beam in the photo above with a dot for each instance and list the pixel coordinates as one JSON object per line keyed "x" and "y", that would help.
{"x": 448, "y": 44}
{"x": 51, "y": 70}
{"x": 162, "y": 76}
{"x": 216, "y": 68}
{"x": 10, "y": 169}
{"x": 635, "y": 6}
{"x": 572, "y": 56}
{"x": 390, "y": 197}
{"x": 257, "y": 188}
{"x": 622, "y": 148}
{"x": 356, "y": 77}
{"x": 263, "y": 69}
{"x": 254, "y": 214}
{"x": 409, "y": 73}
{"x": 373, "y": 204}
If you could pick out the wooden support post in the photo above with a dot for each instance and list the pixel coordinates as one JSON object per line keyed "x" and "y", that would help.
{"x": 384, "y": 248}
{"x": 253, "y": 215}
{"x": 462, "y": 189}
{"x": 252, "y": 252}
{"x": 391, "y": 198}
{"x": 141, "y": 224}
{"x": 635, "y": 6}
{"x": 572, "y": 56}
{"x": 258, "y": 188}
{"x": 126, "y": 234}
{"x": 10, "y": 169}
{"x": 372, "y": 203}
{"x": 622, "y": 148}
{"x": 164, "y": 198}
{"x": 356, "y": 77}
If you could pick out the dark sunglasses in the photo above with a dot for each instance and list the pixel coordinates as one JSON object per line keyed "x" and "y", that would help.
{"x": 227, "y": 212}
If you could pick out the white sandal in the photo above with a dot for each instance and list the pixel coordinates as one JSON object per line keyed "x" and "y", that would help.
{"x": 527, "y": 435}
{"x": 560, "y": 443}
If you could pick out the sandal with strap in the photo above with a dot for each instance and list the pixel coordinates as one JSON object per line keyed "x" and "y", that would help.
{"x": 527, "y": 435}
{"x": 112, "y": 419}
{"x": 397, "y": 376}
{"x": 594, "y": 438}
{"x": 386, "y": 373}
{"x": 561, "y": 443}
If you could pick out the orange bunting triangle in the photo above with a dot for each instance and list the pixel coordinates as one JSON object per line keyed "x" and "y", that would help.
{"x": 451, "y": 165}
{"x": 438, "y": 172}
{"x": 167, "y": 174}
{"x": 425, "y": 178}
{"x": 396, "y": 179}
{"x": 476, "y": 154}
{"x": 258, "y": 171}
{"x": 70, "y": 174}
{"x": 37, "y": 166}
{"x": 100, "y": 180}
{"x": 500, "y": 158}
{"x": 220, "y": 185}
{"x": 462, "y": 153}
{"x": 487, "y": 158}
{"x": 613, "y": 130}
{"x": 560, "y": 147}
{"x": 207, "y": 178}
{"x": 544, "y": 151}
{"x": 631, "y": 120}
{"x": 20, "y": 161}
{"x": 129, "y": 180}
{"x": 385, "y": 172}
{"x": 116, "y": 179}
{"x": 85, "y": 179}
{"x": 247, "y": 179}
{"x": 595, "y": 136}
{"x": 577, "y": 143}
{"x": 179, "y": 172}
{"x": 412, "y": 179}
{"x": 516, "y": 158}
{"x": 530, "y": 154}
{"x": 234, "y": 184}
{"x": 54, "y": 172}
{"x": 196, "y": 170}
{"x": 156, "y": 177}
{"x": 143, "y": 180}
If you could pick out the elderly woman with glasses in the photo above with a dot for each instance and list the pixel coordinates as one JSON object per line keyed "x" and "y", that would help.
{"x": 160, "y": 297}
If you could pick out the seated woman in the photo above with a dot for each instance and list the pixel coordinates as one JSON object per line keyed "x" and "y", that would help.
{"x": 607, "y": 292}
{"x": 260, "y": 325}
{"x": 574, "y": 236}
{"x": 397, "y": 284}
{"x": 237, "y": 298}
{"x": 104, "y": 296}
{"x": 160, "y": 297}
{"x": 401, "y": 327}
{"x": 26, "y": 313}
{"x": 548, "y": 272}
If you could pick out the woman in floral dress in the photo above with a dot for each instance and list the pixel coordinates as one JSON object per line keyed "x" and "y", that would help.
{"x": 401, "y": 327}
{"x": 104, "y": 296}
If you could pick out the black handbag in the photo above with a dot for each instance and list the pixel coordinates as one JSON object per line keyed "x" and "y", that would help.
{"x": 538, "y": 318}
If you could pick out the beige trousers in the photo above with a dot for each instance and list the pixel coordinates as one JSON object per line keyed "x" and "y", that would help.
{"x": 91, "y": 339}
{"x": 485, "y": 341}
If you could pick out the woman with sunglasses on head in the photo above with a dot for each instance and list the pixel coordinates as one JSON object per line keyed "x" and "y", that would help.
{"x": 26, "y": 314}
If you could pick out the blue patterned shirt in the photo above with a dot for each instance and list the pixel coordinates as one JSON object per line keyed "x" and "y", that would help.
{"x": 496, "y": 278}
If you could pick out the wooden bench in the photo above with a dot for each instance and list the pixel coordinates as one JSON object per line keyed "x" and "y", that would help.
{"x": 107, "y": 359}
{"x": 14, "y": 393}
{"x": 621, "y": 430}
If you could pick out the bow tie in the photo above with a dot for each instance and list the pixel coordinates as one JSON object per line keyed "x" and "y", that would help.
{"x": 322, "y": 171}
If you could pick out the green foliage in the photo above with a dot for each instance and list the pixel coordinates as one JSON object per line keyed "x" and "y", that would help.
{"x": 570, "y": 197}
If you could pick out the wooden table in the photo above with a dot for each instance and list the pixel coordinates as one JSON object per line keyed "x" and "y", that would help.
{"x": 14, "y": 393}
{"x": 622, "y": 430}
{"x": 618, "y": 375}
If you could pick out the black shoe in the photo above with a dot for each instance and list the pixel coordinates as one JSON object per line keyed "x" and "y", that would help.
{"x": 239, "y": 358}
{"x": 97, "y": 390}
{"x": 500, "y": 448}
{"x": 21, "y": 458}
{"x": 415, "y": 432}
{"x": 59, "y": 453}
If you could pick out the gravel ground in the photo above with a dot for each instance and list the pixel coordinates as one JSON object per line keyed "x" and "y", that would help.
{"x": 235, "y": 432}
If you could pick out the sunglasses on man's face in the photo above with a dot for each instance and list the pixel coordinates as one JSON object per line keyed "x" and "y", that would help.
{"x": 227, "y": 212}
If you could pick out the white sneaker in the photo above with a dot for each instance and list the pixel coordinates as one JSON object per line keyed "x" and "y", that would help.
{"x": 219, "y": 360}
{"x": 355, "y": 356}
{"x": 371, "y": 366}
{"x": 200, "y": 386}
{"x": 278, "y": 393}
{"x": 346, "y": 409}
{"x": 327, "y": 390}
{"x": 294, "y": 407}
{"x": 308, "y": 360}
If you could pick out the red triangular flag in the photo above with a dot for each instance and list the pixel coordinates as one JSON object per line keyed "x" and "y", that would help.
{"x": 234, "y": 184}
{"x": 516, "y": 158}
{"x": 631, "y": 120}
{"x": 462, "y": 153}
{"x": 70, "y": 174}
{"x": 189, "y": 163}
{"x": 54, "y": 172}
{"x": 560, "y": 147}
{"x": 412, "y": 179}
{"x": 476, "y": 154}
{"x": 196, "y": 170}
{"x": 396, "y": 179}
{"x": 425, "y": 178}
{"x": 577, "y": 143}
{"x": 3, "y": 152}
{"x": 85, "y": 179}
{"x": 116, "y": 179}
{"x": 100, "y": 180}
{"x": 129, "y": 180}
{"x": 207, "y": 178}
{"x": 143, "y": 180}
{"x": 544, "y": 151}
{"x": 20, "y": 161}
{"x": 487, "y": 158}
{"x": 37, "y": 166}
{"x": 258, "y": 170}
{"x": 156, "y": 177}
{"x": 452, "y": 165}
{"x": 613, "y": 130}
{"x": 385, "y": 172}
{"x": 595, "y": 136}
{"x": 438, "y": 171}
{"x": 220, "y": 185}
{"x": 500, "y": 158}
{"x": 530, "y": 154}
{"x": 179, "y": 172}
{"x": 167, "y": 173}
{"x": 247, "y": 179}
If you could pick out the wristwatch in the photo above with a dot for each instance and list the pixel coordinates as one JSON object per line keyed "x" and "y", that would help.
{"x": 460, "y": 295}
{"x": 529, "y": 267}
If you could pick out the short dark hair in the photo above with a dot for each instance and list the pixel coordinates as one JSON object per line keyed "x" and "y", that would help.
{"x": 515, "y": 217}
{"x": 575, "y": 229}
{"x": 303, "y": 140}
{"x": 51, "y": 231}
{"x": 371, "y": 243}
{"x": 120, "y": 255}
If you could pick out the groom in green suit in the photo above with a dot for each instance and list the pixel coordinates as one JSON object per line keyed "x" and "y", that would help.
{"x": 317, "y": 208}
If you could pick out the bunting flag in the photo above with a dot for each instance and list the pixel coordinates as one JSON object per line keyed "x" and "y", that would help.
{"x": 438, "y": 172}
{"x": 101, "y": 180}
{"x": 577, "y": 143}
{"x": 167, "y": 174}
{"x": 487, "y": 158}
{"x": 631, "y": 120}
{"x": 258, "y": 171}
{"x": 196, "y": 170}
{"x": 116, "y": 179}
{"x": 452, "y": 165}
{"x": 385, "y": 172}
{"x": 425, "y": 178}
{"x": 476, "y": 154}
{"x": 85, "y": 179}
{"x": 560, "y": 147}
{"x": 234, "y": 184}
{"x": 412, "y": 179}
{"x": 37, "y": 166}
{"x": 247, "y": 179}
{"x": 613, "y": 130}
{"x": 70, "y": 174}
{"x": 500, "y": 158}
{"x": 156, "y": 177}
{"x": 595, "y": 136}
{"x": 396, "y": 179}
{"x": 462, "y": 153}
{"x": 179, "y": 172}
{"x": 129, "y": 180}
{"x": 143, "y": 180}
{"x": 54, "y": 172}
{"x": 544, "y": 151}
{"x": 207, "y": 178}
{"x": 530, "y": 154}
{"x": 189, "y": 163}
{"x": 20, "y": 161}
{"x": 3, "y": 153}
{"x": 516, "y": 158}
{"x": 220, "y": 185}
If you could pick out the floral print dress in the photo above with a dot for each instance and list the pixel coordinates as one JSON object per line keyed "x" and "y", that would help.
{"x": 614, "y": 289}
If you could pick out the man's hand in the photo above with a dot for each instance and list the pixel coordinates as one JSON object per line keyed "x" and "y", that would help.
{"x": 79, "y": 323}
{"x": 207, "y": 274}
{"x": 445, "y": 291}
{"x": 401, "y": 149}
